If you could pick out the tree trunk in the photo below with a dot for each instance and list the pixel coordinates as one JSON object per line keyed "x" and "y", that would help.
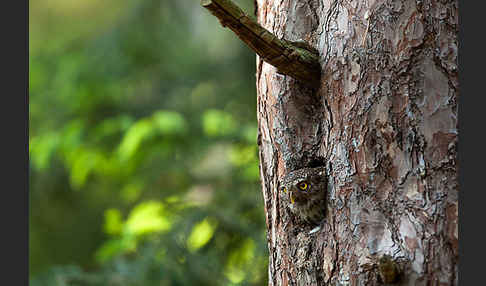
{"x": 383, "y": 123}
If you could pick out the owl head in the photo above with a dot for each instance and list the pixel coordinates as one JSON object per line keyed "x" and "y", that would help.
{"x": 304, "y": 184}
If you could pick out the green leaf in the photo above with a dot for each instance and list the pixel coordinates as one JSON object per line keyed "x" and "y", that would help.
{"x": 113, "y": 221}
{"x": 201, "y": 234}
{"x": 85, "y": 161}
{"x": 42, "y": 147}
{"x": 218, "y": 123}
{"x": 134, "y": 137}
{"x": 169, "y": 122}
{"x": 148, "y": 217}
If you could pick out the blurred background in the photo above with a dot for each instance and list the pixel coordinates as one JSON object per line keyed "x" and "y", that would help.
{"x": 143, "y": 156}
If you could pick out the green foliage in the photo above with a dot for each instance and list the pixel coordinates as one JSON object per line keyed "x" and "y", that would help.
{"x": 143, "y": 157}
{"x": 218, "y": 123}
{"x": 201, "y": 234}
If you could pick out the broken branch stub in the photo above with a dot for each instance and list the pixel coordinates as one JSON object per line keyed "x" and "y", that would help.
{"x": 295, "y": 59}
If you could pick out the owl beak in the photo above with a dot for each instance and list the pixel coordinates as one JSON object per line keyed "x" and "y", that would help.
{"x": 292, "y": 200}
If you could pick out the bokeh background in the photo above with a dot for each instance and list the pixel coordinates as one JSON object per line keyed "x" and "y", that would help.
{"x": 143, "y": 156}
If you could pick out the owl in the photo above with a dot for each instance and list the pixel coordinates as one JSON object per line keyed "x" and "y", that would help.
{"x": 389, "y": 270}
{"x": 305, "y": 191}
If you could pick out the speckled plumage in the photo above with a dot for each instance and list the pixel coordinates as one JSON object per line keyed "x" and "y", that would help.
{"x": 305, "y": 193}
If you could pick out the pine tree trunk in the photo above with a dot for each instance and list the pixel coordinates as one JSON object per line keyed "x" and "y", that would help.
{"x": 384, "y": 125}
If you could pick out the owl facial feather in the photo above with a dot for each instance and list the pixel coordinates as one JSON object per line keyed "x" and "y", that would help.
{"x": 306, "y": 192}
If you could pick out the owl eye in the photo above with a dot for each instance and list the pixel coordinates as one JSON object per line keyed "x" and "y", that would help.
{"x": 284, "y": 189}
{"x": 303, "y": 186}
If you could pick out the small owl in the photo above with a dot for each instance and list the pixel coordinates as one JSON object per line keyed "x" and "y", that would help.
{"x": 305, "y": 189}
{"x": 388, "y": 269}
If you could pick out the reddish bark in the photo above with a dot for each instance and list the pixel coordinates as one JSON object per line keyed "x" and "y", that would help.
{"x": 383, "y": 123}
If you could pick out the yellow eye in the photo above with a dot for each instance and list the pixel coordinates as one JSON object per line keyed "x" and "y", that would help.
{"x": 303, "y": 186}
{"x": 284, "y": 189}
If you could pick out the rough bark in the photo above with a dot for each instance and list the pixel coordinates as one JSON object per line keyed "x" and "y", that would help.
{"x": 384, "y": 124}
